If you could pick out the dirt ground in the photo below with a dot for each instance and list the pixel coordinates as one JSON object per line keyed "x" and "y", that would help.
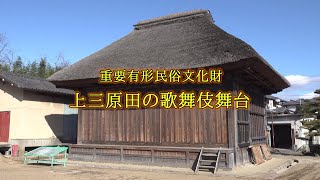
{"x": 307, "y": 168}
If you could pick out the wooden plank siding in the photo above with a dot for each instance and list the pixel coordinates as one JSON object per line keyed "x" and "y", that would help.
{"x": 178, "y": 127}
{"x": 257, "y": 119}
{"x": 155, "y": 155}
{"x": 151, "y": 130}
{"x": 251, "y": 122}
{"x": 251, "y": 126}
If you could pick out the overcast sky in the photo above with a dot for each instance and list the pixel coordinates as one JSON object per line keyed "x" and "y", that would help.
{"x": 285, "y": 33}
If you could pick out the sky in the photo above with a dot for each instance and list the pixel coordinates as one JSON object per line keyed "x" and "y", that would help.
{"x": 285, "y": 33}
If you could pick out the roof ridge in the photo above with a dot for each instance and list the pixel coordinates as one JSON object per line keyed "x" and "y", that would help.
{"x": 170, "y": 18}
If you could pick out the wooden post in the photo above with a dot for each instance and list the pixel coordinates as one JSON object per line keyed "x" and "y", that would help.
{"x": 273, "y": 144}
{"x": 94, "y": 154}
{"x": 235, "y": 115}
{"x": 230, "y": 160}
{"x": 250, "y": 126}
{"x": 230, "y": 121}
{"x": 152, "y": 155}
{"x": 230, "y": 116}
{"x": 187, "y": 157}
{"x": 79, "y": 130}
{"x": 121, "y": 154}
{"x": 69, "y": 147}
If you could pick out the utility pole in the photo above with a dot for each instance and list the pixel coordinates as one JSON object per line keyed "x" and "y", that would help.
{"x": 273, "y": 144}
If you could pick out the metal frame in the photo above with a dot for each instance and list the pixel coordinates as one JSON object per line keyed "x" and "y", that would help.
{"x": 51, "y": 158}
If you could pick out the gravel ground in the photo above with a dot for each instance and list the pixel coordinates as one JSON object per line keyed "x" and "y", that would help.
{"x": 307, "y": 168}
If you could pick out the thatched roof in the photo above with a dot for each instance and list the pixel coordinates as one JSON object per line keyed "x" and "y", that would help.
{"x": 180, "y": 41}
{"x": 31, "y": 83}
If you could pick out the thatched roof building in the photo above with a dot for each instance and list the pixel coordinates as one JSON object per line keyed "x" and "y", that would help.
{"x": 180, "y": 41}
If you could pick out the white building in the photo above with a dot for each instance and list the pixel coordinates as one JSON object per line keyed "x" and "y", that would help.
{"x": 33, "y": 112}
{"x": 285, "y": 128}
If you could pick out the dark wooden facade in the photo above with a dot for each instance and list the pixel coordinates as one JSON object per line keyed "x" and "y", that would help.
{"x": 171, "y": 135}
{"x": 186, "y": 127}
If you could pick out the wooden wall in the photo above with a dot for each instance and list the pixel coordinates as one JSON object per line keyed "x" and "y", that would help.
{"x": 257, "y": 118}
{"x": 231, "y": 129}
{"x": 251, "y": 122}
{"x": 177, "y": 127}
{"x": 153, "y": 155}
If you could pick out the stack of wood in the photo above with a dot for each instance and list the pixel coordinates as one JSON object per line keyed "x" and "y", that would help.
{"x": 260, "y": 153}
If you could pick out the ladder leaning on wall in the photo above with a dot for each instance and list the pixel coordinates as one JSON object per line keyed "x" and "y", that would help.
{"x": 208, "y": 160}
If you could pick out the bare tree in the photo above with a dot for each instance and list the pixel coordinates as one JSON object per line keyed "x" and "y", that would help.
{"x": 7, "y": 56}
{"x": 3, "y": 43}
{"x": 61, "y": 62}
{"x": 8, "y": 59}
{"x": 3, "y": 48}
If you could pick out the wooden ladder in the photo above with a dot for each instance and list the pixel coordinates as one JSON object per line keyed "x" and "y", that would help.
{"x": 208, "y": 160}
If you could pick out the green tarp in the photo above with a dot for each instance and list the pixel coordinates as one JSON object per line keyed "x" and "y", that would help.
{"x": 47, "y": 155}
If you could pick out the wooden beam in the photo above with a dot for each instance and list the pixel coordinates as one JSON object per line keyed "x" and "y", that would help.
{"x": 234, "y": 92}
